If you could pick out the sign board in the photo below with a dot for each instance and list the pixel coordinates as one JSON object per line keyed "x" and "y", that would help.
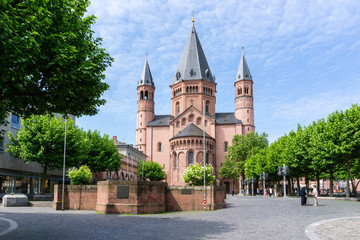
{"x": 123, "y": 192}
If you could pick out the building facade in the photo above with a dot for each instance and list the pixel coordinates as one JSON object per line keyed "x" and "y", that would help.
{"x": 15, "y": 175}
{"x": 176, "y": 140}
{"x": 128, "y": 171}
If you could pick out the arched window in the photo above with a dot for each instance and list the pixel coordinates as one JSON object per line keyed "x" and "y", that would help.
{"x": 207, "y": 106}
{"x": 159, "y": 147}
{"x": 198, "y": 121}
{"x": 246, "y": 89}
{"x": 122, "y": 176}
{"x": 225, "y": 146}
{"x": 207, "y": 158}
{"x": 177, "y": 123}
{"x": 146, "y": 95}
{"x": 240, "y": 91}
{"x": 191, "y": 158}
{"x": 187, "y": 89}
{"x": 141, "y": 95}
{"x": 183, "y": 121}
{"x": 197, "y": 89}
{"x": 191, "y": 118}
{"x": 177, "y": 107}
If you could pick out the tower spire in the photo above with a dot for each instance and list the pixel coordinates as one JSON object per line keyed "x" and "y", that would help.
{"x": 146, "y": 77}
{"x": 243, "y": 72}
{"x": 193, "y": 64}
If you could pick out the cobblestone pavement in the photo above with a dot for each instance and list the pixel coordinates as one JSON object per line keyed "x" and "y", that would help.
{"x": 338, "y": 228}
{"x": 244, "y": 218}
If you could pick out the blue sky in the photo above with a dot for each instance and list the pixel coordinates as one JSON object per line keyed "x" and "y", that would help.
{"x": 304, "y": 57}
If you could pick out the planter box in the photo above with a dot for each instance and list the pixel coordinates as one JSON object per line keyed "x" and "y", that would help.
{"x": 15, "y": 200}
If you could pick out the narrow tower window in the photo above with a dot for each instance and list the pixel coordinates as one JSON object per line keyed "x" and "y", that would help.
{"x": 159, "y": 147}
{"x": 225, "y": 146}
{"x": 141, "y": 95}
{"x": 146, "y": 95}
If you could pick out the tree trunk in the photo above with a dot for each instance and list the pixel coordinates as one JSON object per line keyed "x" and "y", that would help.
{"x": 348, "y": 176}
{"x": 290, "y": 186}
{"x": 331, "y": 182}
{"x": 298, "y": 185}
{"x": 307, "y": 183}
{"x": 42, "y": 186}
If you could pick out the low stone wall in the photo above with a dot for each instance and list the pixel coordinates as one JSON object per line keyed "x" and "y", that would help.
{"x": 131, "y": 197}
{"x": 192, "y": 198}
{"x": 77, "y": 197}
{"x": 114, "y": 196}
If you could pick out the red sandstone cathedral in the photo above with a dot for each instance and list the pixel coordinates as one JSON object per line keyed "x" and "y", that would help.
{"x": 176, "y": 140}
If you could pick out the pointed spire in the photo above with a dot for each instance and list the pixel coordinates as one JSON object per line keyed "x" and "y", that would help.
{"x": 146, "y": 78}
{"x": 193, "y": 64}
{"x": 243, "y": 72}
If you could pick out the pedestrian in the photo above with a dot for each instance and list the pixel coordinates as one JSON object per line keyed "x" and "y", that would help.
{"x": 270, "y": 192}
{"x": 275, "y": 192}
{"x": 315, "y": 195}
{"x": 232, "y": 192}
{"x": 257, "y": 192}
{"x": 303, "y": 196}
{"x": 244, "y": 192}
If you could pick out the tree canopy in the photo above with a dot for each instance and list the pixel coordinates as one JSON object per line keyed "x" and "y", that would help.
{"x": 50, "y": 62}
{"x": 328, "y": 148}
{"x": 41, "y": 140}
{"x": 151, "y": 171}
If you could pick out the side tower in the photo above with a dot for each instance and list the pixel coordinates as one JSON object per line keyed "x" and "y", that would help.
{"x": 145, "y": 106}
{"x": 244, "y": 107}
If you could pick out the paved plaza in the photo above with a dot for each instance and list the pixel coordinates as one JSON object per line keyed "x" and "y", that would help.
{"x": 244, "y": 218}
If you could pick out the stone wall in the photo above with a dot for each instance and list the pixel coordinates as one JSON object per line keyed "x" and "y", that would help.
{"x": 77, "y": 197}
{"x": 133, "y": 197}
{"x": 179, "y": 198}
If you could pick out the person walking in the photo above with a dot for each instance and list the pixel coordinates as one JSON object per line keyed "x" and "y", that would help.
{"x": 315, "y": 195}
{"x": 270, "y": 192}
{"x": 303, "y": 196}
{"x": 232, "y": 192}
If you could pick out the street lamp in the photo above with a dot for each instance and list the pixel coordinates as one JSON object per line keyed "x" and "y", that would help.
{"x": 284, "y": 171}
{"x": 252, "y": 180}
{"x": 264, "y": 176}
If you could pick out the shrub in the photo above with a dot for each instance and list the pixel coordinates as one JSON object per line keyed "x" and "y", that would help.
{"x": 81, "y": 176}
{"x": 152, "y": 171}
{"x": 194, "y": 174}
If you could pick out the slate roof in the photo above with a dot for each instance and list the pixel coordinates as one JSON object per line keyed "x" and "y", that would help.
{"x": 159, "y": 121}
{"x": 243, "y": 72}
{"x": 193, "y": 64}
{"x": 191, "y": 131}
{"x": 226, "y": 118}
{"x": 146, "y": 77}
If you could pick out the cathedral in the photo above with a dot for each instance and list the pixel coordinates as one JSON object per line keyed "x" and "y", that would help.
{"x": 176, "y": 140}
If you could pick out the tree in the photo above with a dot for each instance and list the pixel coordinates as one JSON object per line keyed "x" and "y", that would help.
{"x": 194, "y": 174}
{"x": 101, "y": 153}
{"x": 242, "y": 148}
{"x": 80, "y": 176}
{"x": 41, "y": 140}
{"x": 151, "y": 170}
{"x": 49, "y": 60}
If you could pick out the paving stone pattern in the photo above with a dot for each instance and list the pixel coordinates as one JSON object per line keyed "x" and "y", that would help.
{"x": 244, "y": 218}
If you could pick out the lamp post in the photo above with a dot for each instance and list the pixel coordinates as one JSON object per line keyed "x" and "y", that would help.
{"x": 252, "y": 180}
{"x": 263, "y": 177}
{"x": 283, "y": 171}
{"x": 63, "y": 182}
{"x": 204, "y": 151}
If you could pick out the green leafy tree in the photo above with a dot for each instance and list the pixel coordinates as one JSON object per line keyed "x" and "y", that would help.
{"x": 41, "y": 140}
{"x": 80, "y": 176}
{"x": 101, "y": 153}
{"x": 152, "y": 171}
{"x": 194, "y": 174}
{"x": 50, "y": 62}
{"x": 242, "y": 148}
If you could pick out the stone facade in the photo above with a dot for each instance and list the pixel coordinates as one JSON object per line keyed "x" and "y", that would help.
{"x": 176, "y": 140}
